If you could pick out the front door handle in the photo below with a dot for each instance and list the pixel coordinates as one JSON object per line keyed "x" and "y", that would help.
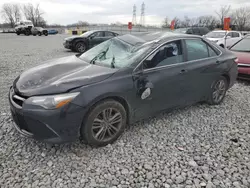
{"x": 183, "y": 71}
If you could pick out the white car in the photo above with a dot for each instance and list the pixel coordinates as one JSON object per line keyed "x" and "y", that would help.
{"x": 224, "y": 38}
{"x": 24, "y": 27}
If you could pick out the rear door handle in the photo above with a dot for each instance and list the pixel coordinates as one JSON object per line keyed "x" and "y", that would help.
{"x": 183, "y": 71}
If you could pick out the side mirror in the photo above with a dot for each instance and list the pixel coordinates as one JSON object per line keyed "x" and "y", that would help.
{"x": 92, "y": 36}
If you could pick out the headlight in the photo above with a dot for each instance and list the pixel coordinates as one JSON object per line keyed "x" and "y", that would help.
{"x": 52, "y": 101}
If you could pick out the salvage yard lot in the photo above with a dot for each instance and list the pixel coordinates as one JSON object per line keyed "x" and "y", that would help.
{"x": 183, "y": 148}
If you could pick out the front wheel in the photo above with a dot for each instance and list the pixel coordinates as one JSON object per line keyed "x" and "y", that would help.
{"x": 80, "y": 47}
{"x": 218, "y": 91}
{"x": 104, "y": 124}
{"x": 40, "y": 34}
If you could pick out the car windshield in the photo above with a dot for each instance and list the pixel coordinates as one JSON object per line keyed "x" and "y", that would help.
{"x": 242, "y": 46}
{"x": 87, "y": 33}
{"x": 115, "y": 53}
{"x": 216, "y": 34}
{"x": 181, "y": 30}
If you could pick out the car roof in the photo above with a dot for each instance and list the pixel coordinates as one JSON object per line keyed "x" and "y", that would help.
{"x": 158, "y": 37}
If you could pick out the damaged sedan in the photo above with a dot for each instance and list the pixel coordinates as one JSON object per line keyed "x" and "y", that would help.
{"x": 93, "y": 96}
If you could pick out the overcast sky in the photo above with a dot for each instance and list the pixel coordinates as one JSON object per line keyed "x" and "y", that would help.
{"x": 110, "y": 11}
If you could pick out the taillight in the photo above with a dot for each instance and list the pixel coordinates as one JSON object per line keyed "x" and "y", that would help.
{"x": 236, "y": 60}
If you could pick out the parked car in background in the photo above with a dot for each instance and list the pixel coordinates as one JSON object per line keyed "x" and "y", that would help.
{"x": 118, "y": 82}
{"x": 39, "y": 31}
{"x": 87, "y": 40}
{"x": 242, "y": 50}
{"x": 224, "y": 38}
{"x": 24, "y": 27}
{"x": 52, "y": 31}
{"x": 193, "y": 30}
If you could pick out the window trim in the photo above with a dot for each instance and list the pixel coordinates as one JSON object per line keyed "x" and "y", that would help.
{"x": 173, "y": 65}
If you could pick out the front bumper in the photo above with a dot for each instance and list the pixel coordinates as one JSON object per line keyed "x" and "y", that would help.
{"x": 52, "y": 126}
{"x": 67, "y": 44}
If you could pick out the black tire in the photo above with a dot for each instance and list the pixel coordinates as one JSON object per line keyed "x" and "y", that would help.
{"x": 27, "y": 32}
{"x": 80, "y": 47}
{"x": 96, "y": 127}
{"x": 46, "y": 33}
{"x": 17, "y": 33}
{"x": 218, "y": 91}
{"x": 34, "y": 34}
{"x": 40, "y": 34}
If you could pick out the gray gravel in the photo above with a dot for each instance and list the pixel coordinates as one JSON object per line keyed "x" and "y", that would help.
{"x": 199, "y": 146}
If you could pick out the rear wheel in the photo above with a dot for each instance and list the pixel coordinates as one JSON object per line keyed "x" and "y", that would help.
{"x": 80, "y": 47}
{"x": 218, "y": 91}
{"x": 46, "y": 33}
{"x": 40, "y": 34}
{"x": 104, "y": 124}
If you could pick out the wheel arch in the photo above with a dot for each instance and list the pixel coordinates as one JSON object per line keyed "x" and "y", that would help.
{"x": 114, "y": 97}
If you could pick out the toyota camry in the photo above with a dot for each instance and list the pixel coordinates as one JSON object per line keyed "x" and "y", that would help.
{"x": 93, "y": 96}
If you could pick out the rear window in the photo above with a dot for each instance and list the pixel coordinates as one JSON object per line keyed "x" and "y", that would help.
{"x": 242, "y": 46}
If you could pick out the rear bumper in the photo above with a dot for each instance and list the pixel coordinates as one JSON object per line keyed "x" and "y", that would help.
{"x": 51, "y": 126}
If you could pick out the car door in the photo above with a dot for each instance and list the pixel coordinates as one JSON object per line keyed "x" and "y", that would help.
{"x": 161, "y": 83}
{"x": 108, "y": 35}
{"x": 235, "y": 38}
{"x": 229, "y": 39}
{"x": 201, "y": 69}
{"x": 96, "y": 38}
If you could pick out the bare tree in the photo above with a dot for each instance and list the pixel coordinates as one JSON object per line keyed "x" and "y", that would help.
{"x": 11, "y": 13}
{"x": 223, "y": 12}
{"x": 207, "y": 21}
{"x": 177, "y": 22}
{"x": 34, "y": 13}
{"x": 240, "y": 18}
{"x": 166, "y": 23}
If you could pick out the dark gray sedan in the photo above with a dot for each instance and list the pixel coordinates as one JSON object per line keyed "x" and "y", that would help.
{"x": 125, "y": 79}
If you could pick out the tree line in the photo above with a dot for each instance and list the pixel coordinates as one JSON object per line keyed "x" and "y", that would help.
{"x": 240, "y": 19}
{"x": 13, "y": 13}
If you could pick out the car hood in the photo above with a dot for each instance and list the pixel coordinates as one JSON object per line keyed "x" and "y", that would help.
{"x": 214, "y": 39}
{"x": 243, "y": 57}
{"x": 60, "y": 75}
{"x": 73, "y": 37}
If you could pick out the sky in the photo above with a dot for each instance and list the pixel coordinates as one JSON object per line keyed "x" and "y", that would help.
{"x": 111, "y": 11}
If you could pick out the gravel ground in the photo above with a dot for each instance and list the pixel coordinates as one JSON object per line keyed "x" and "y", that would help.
{"x": 199, "y": 146}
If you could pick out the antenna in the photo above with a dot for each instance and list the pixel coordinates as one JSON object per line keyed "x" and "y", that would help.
{"x": 142, "y": 20}
{"x": 134, "y": 15}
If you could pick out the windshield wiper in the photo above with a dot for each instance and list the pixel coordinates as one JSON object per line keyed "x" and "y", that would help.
{"x": 113, "y": 62}
{"x": 103, "y": 53}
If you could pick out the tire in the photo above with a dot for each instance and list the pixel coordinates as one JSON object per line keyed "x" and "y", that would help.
{"x": 96, "y": 128}
{"x": 17, "y": 33}
{"x": 34, "y": 34}
{"x": 27, "y": 32}
{"x": 221, "y": 45}
{"x": 218, "y": 91}
{"x": 40, "y": 34}
{"x": 80, "y": 47}
{"x": 46, "y": 33}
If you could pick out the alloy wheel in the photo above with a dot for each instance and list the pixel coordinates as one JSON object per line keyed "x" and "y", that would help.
{"x": 219, "y": 91}
{"x": 80, "y": 47}
{"x": 107, "y": 124}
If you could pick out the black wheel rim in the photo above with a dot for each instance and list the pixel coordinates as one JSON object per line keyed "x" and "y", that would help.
{"x": 219, "y": 91}
{"x": 80, "y": 47}
{"x": 107, "y": 124}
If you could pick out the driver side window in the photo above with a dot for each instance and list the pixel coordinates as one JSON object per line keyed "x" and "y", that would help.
{"x": 168, "y": 54}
